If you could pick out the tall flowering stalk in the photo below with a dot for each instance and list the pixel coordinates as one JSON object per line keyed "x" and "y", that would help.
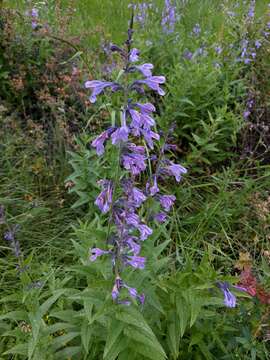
{"x": 136, "y": 138}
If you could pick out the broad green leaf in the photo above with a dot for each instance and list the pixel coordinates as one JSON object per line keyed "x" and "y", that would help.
{"x": 15, "y": 315}
{"x": 49, "y": 302}
{"x": 142, "y": 337}
{"x": 67, "y": 353}
{"x": 114, "y": 336}
{"x": 86, "y": 334}
{"x": 183, "y": 313}
{"x": 20, "y": 349}
{"x": 149, "y": 353}
{"x": 62, "y": 340}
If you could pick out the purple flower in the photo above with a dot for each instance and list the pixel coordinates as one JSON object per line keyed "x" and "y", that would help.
{"x": 153, "y": 83}
{"x": 188, "y": 54}
{"x": 229, "y": 298}
{"x": 258, "y": 44}
{"x": 10, "y": 237}
{"x": 167, "y": 201}
{"x": 134, "y": 247}
{"x": 104, "y": 199}
{"x": 149, "y": 136}
{"x": 121, "y": 134}
{"x": 154, "y": 188}
{"x": 145, "y": 231}
{"x": 96, "y": 252}
{"x": 147, "y": 121}
{"x": 34, "y": 13}
{"x": 218, "y": 49}
{"x": 98, "y": 143}
{"x": 146, "y": 108}
{"x": 132, "y": 219}
{"x": 176, "y": 170}
{"x": 98, "y": 87}
{"x": 169, "y": 17}
{"x": 138, "y": 262}
{"x": 138, "y": 197}
{"x": 145, "y": 69}
{"x": 134, "y": 55}
{"x": 246, "y": 114}
{"x": 196, "y": 29}
{"x": 34, "y": 24}
{"x": 135, "y": 163}
{"x": 161, "y": 217}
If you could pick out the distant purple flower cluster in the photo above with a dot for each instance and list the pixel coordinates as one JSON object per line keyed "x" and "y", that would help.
{"x": 141, "y": 12}
{"x": 34, "y": 15}
{"x": 196, "y": 30}
{"x": 122, "y": 198}
{"x": 10, "y": 234}
{"x": 169, "y": 16}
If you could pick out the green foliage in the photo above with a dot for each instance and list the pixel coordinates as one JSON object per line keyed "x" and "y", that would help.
{"x": 55, "y": 303}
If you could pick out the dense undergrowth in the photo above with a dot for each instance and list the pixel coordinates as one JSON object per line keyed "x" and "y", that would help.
{"x": 55, "y": 303}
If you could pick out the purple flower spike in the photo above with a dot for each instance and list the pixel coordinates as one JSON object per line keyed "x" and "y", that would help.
{"x": 176, "y": 170}
{"x": 96, "y": 252}
{"x": 138, "y": 262}
{"x": 229, "y": 298}
{"x": 167, "y": 201}
{"x": 121, "y": 134}
{"x": 134, "y": 55}
{"x": 97, "y": 88}
{"x": 145, "y": 69}
{"x": 104, "y": 199}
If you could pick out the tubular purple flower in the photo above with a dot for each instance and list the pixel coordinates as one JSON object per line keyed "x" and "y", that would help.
{"x": 104, "y": 199}
{"x": 167, "y": 201}
{"x": 229, "y": 298}
{"x": 96, "y": 252}
{"x": 132, "y": 219}
{"x": 176, "y": 170}
{"x": 120, "y": 134}
{"x": 146, "y": 108}
{"x": 145, "y": 231}
{"x": 161, "y": 217}
{"x": 98, "y": 142}
{"x": 134, "y": 55}
{"x": 154, "y": 188}
{"x": 149, "y": 135}
{"x": 34, "y": 13}
{"x": 136, "y": 248}
{"x": 153, "y": 83}
{"x": 138, "y": 262}
{"x": 145, "y": 69}
{"x": 138, "y": 197}
{"x": 135, "y": 163}
{"x": 98, "y": 87}
{"x": 147, "y": 121}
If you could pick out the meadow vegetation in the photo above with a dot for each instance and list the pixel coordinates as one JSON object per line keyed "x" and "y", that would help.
{"x": 205, "y": 285}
